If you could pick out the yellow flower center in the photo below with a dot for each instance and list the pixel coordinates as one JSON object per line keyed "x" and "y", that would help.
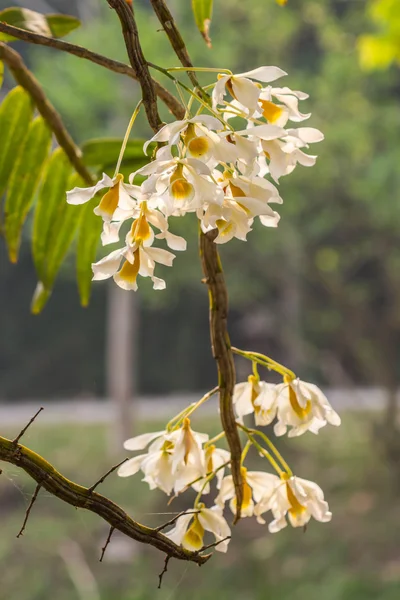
{"x": 181, "y": 189}
{"x": 296, "y": 509}
{"x": 188, "y": 439}
{"x": 140, "y": 230}
{"x": 237, "y": 192}
{"x": 247, "y": 491}
{"x": 224, "y": 227}
{"x": 194, "y": 535}
{"x": 129, "y": 271}
{"x": 294, "y": 403}
{"x": 209, "y": 458}
{"x": 271, "y": 111}
{"x": 199, "y": 146}
{"x": 109, "y": 201}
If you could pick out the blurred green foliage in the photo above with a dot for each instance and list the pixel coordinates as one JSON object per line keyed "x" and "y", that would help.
{"x": 381, "y": 48}
{"x": 355, "y": 557}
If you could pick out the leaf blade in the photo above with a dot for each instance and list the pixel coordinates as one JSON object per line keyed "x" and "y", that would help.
{"x": 88, "y": 242}
{"x": 23, "y": 182}
{"x": 202, "y": 11}
{"x": 48, "y": 25}
{"x": 16, "y": 112}
{"x": 51, "y": 193}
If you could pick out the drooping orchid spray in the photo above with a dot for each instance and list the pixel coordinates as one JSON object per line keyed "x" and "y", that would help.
{"x": 223, "y": 162}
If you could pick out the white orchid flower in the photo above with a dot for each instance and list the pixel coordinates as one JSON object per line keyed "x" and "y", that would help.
{"x": 191, "y": 536}
{"x": 215, "y": 458}
{"x": 242, "y": 88}
{"x": 182, "y": 185}
{"x": 258, "y": 397}
{"x": 139, "y": 260}
{"x": 174, "y": 459}
{"x": 172, "y": 132}
{"x": 303, "y": 407}
{"x": 117, "y": 195}
{"x": 188, "y": 448}
{"x": 297, "y": 499}
{"x": 288, "y": 109}
{"x": 256, "y": 485}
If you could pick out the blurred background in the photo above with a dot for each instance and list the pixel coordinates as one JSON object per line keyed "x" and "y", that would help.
{"x": 320, "y": 294}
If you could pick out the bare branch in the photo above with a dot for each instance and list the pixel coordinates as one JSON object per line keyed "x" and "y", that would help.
{"x": 21, "y": 433}
{"x": 167, "y": 21}
{"x": 25, "y": 78}
{"x": 174, "y": 519}
{"x": 131, "y": 36}
{"x": 165, "y": 569}
{"x": 114, "y": 468}
{"x": 222, "y": 352}
{"x": 103, "y": 550}
{"x": 169, "y": 100}
{"x": 214, "y": 544}
{"x": 81, "y": 497}
{"x": 28, "y": 510}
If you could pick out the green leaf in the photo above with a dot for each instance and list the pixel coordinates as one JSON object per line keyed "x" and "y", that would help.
{"x": 1, "y": 73}
{"x": 23, "y": 182}
{"x": 105, "y": 151}
{"x": 88, "y": 241}
{"x": 62, "y": 232}
{"x": 48, "y": 25}
{"x": 16, "y": 112}
{"x": 202, "y": 10}
{"x": 51, "y": 196}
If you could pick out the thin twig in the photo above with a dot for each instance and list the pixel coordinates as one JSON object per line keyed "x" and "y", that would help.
{"x": 28, "y": 510}
{"x": 178, "y": 516}
{"x": 103, "y": 550}
{"x": 80, "y": 497}
{"x": 94, "y": 486}
{"x": 214, "y": 544}
{"x": 21, "y": 433}
{"x": 25, "y": 78}
{"x": 116, "y": 66}
{"x": 136, "y": 58}
{"x": 166, "y": 19}
{"x": 165, "y": 569}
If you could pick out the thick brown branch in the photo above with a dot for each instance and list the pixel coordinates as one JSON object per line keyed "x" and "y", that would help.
{"x": 167, "y": 21}
{"x": 221, "y": 347}
{"x": 80, "y": 497}
{"x": 24, "y": 77}
{"x": 169, "y": 100}
{"x": 131, "y": 36}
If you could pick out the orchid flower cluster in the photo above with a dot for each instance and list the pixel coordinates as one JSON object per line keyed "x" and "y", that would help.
{"x": 179, "y": 458}
{"x": 221, "y": 163}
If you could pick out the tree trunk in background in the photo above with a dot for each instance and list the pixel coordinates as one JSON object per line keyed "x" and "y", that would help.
{"x": 122, "y": 326}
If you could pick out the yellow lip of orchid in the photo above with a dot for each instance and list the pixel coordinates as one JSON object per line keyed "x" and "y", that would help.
{"x": 294, "y": 403}
{"x": 109, "y": 201}
{"x": 194, "y": 535}
{"x": 130, "y": 271}
{"x": 272, "y": 112}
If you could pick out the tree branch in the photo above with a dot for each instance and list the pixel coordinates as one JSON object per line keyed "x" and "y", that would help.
{"x": 221, "y": 348}
{"x": 167, "y": 21}
{"x": 24, "y": 77}
{"x": 131, "y": 36}
{"x": 169, "y": 100}
{"x": 81, "y": 497}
